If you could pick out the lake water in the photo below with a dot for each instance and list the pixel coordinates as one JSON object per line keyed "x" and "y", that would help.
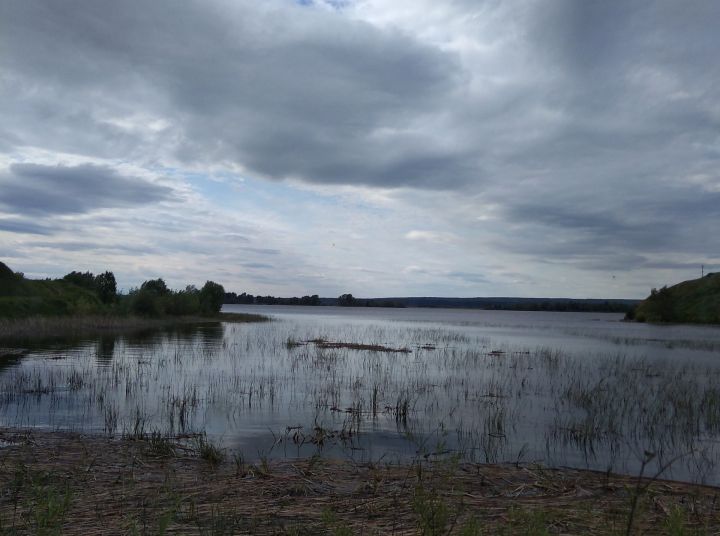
{"x": 583, "y": 390}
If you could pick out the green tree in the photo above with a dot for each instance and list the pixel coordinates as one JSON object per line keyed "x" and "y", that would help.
{"x": 145, "y": 302}
{"x": 212, "y": 296}
{"x": 81, "y": 279}
{"x": 106, "y": 287}
{"x": 156, "y": 287}
{"x": 346, "y": 300}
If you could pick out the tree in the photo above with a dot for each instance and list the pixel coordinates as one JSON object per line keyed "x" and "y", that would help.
{"x": 155, "y": 286}
{"x": 106, "y": 287}
{"x": 81, "y": 279}
{"x": 212, "y": 296}
{"x": 346, "y": 300}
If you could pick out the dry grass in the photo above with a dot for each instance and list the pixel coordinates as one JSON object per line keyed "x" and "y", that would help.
{"x": 62, "y": 483}
{"x": 68, "y": 326}
{"x": 334, "y": 345}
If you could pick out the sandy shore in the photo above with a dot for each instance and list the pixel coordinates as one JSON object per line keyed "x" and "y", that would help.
{"x": 63, "y": 483}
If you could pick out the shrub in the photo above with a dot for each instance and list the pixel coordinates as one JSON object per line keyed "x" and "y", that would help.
{"x": 212, "y": 296}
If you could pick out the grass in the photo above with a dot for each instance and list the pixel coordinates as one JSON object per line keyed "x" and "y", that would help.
{"x": 54, "y": 483}
{"x": 20, "y": 298}
{"x": 334, "y": 345}
{"x": 694, "y": 301}
{"x": 208, "y": 451}
{"x": 34, "y": 328}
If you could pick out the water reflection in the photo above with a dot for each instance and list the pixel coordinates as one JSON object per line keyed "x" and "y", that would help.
{"x": 105, "y": 349}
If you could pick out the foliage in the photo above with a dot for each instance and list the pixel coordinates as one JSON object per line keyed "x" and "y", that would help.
{"x": 154, "y": 298}
{"x": 696, "y": 301}
{"x": 103, "y": 285}
{"x": 144, "y": 302}
{"x": 211, "y": 298}
{"x": 6, "y": 273}
{"x": 346, "y": 300}
{"x": 106, "y": 287}
{"x": 244, "y": 298}
{"x": 83, "y": 293}
{"x": 81, "y": 279}
{"x": 156, "y": 287}
{"x": 20, "y": 297}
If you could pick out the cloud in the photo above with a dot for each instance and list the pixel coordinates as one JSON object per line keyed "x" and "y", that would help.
{"x": 562, "y": 140}
{"x": 49, "y": 190}
{"x": 431, "y": 236}
{"x": 282, "y": 90}
{"x": 22, "y": 226}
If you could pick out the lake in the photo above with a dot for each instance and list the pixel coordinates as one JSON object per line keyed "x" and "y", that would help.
{"x": 584, "y": 390}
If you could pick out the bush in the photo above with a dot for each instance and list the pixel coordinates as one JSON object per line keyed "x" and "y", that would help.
{"x": 145, "y": 303}
{"x": 84, "y": 280}
{"x": 212, "y": 296}
{"x": 184, "y": 302}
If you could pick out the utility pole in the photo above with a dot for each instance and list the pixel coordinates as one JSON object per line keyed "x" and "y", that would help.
{"x": 702, "y": 271}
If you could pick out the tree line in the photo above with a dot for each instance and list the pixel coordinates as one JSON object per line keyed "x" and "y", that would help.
{"x": 344, "y": 300}
{"x": 244, "y": 298}
{"x": 153, "y": 297}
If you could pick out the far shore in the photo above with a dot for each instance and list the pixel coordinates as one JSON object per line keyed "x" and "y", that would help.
{"x": 59, "y": 482}
{"x": 36, "y": 327}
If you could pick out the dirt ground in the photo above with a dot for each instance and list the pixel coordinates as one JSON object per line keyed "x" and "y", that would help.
{"x": 61, "y": 483}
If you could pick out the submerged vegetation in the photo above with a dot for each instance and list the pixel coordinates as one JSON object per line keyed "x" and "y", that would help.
{"x": 694, "y": 301}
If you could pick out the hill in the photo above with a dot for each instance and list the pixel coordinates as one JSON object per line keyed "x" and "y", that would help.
{"x": 695, "y": 301}
{"x": 20, "y": 297}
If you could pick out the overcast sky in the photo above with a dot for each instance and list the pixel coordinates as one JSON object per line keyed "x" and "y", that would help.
{"x": 383, "y": 148}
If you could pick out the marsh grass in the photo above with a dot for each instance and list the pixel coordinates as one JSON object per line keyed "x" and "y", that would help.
{"x": 208, "y": 451}
{"x": 160, "y": 446}
{"x": 35, "y": 327}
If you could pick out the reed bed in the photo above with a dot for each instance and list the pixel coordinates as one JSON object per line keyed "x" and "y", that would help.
{"x": 62, "y": 483}
{"x": 48, "y": 326}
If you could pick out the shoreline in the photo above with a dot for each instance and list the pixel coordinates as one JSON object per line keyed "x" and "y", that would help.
{"x": 74, "y": 484}
{"x": 36, "y": 327}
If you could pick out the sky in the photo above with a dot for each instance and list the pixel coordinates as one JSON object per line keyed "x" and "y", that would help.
{"x": 381, "y": 148}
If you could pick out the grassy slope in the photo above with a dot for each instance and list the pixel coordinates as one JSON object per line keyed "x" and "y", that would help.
{"x": 21, "y": 297}
{"x": 696, "y": 301}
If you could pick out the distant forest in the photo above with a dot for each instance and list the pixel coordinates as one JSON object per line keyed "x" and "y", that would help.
{"x": 506, "y": 304}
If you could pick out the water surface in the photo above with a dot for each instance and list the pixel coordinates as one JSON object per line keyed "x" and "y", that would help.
{"x": 565, "y": 389}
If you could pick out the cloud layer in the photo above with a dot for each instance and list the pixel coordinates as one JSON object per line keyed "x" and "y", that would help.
{"x": 38, "y": 190}
{"x": 473, "y": 147}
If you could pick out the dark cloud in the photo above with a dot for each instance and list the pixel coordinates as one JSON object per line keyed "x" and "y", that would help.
{"x": 76, "y": 245}
{"x": 287, "y": 91}
{"x": 47, "y": 190}
{"x": 22, "y": 226}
